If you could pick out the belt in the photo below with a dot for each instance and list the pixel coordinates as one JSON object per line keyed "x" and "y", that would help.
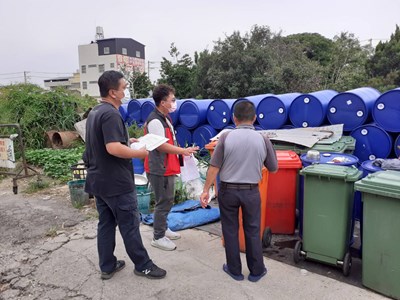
{"x": 239, "y": 186}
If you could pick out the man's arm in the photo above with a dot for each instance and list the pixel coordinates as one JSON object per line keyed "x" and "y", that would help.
{"x": 122, "y": 151}
{"x": 210, "y": 179}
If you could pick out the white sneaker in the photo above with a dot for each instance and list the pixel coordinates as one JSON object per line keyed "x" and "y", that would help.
{"x": 172, "y": 235}
{"x": 164, "y": 244}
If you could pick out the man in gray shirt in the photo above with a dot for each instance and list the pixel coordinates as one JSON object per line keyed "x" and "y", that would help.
{"x": 238, "y": 158}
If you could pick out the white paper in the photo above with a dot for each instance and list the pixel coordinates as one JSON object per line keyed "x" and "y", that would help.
{"x": 150, "y": 141}
{"x": 189, "y": 171}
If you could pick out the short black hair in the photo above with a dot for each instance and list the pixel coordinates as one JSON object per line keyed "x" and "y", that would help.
{"x": 161, "y": 92}
{"x": 244, "y": 111}
{"x": 109, "y": 80}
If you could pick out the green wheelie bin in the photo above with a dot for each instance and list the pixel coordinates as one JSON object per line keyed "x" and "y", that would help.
{"x": 380, "y": 194}
{"x": 327, "y": 214}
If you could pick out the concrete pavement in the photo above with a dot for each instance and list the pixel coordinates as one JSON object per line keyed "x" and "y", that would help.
{"x": 66, "y": 267}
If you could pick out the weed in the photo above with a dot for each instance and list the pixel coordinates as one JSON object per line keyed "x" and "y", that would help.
{"x": 52, "y": 232}
{"x": 35, "y": 186}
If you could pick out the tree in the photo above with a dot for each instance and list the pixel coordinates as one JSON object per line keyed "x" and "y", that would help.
{"x": 178, "y": 72}
{"x": 139, "y": 83}
{"x": 346, "y": 69}
{"x": 384, "y": 66}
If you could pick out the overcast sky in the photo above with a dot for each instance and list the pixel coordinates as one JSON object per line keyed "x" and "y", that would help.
{"x": 42, "y": 36}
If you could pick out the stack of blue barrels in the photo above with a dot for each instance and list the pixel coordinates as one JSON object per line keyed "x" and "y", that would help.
{"x": 371, "y": 118}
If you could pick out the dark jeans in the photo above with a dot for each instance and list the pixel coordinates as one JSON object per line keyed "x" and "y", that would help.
{"x": 229, "y": 202}
{"x": 164, "y": 192}
{"x": 122, "y": 211}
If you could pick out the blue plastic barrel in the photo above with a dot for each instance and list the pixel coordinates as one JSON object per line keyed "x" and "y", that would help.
{"x": 386, "y": 111}
{"x": 371, "y": 142}
{"x": 273, "y": 111}
{"x": 138, "y": 166}
{"x": 230, "y": 126}
{"x": 352, "y": 108}
{"x": 175, "y": 115}
{"x": 193, "y": 113}
{"x": 397, "y": 146}
{"x": 309, "y": 110}
{"x": 123, "y": 110}
{"x": 147, "y": 107}
{"x": 203, "y": 134}
{"x": 219, "y": 112}
{"x": 255, "y": 99}
{"x": 183, "y": 136}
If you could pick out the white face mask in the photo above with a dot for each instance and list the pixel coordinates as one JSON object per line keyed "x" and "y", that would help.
{"x": 127, "y": 95}
{"x": 173, "y": 108}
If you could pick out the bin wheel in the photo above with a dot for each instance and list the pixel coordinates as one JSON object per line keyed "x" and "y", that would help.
{"x": 347, "y": 264}
{"x": 296, "y": 251}
{"x": 15, "y": 190}
{"x": 267, "y": 237}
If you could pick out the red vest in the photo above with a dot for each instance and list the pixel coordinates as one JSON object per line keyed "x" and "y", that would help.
{"x": 161, "y": 163}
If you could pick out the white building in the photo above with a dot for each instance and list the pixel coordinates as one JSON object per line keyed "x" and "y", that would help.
{"x": 71, "y": 83}
{"x": 107, "y": 54}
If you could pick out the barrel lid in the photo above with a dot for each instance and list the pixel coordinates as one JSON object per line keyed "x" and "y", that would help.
{"x": 383, "y": 183}
{"x": 140, "y": 180}
{"x": 332, "y": 158}
{"x": 288, "y": 160}
{"x": 349, "y": 174}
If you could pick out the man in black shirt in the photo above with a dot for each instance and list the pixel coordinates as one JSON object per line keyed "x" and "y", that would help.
{"x": 110, "y": 179}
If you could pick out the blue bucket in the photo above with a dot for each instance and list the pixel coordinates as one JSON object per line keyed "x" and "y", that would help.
{"x": 397, "y": 146}
{"x": 337, "y": 159}
{"x": 193, "y": 113}
{"x": 386, "y": 111}
{"x": 309, "y": 110}
{"x": 183, "y": 136}
{"x": 371, "y": 142}
{"x": 175, "y": 115}
{"x": 219, "y": 112}
{"x": 134, "y": 108}
{"x": 138, "y": 166}
{"x": 147, "y": 107}
{"x": 123, "y": 110}
{"x": 203, "y": 134}
{"x": 367, "y": 167}
{"x": 273, "y": 111}
{"x": 352, "y": 108}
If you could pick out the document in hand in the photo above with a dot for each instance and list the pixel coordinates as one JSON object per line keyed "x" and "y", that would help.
{"x": 150, "y": 141}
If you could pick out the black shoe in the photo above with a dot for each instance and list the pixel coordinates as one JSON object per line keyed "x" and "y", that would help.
{"x": 255, "y": 278}
{"x": 153, "y": 272}
{"x": 118, "y": 267}
{"x": 239, "y": 277}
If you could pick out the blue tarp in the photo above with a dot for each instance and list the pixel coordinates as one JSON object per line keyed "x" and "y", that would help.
{"x": 187, "y": 214}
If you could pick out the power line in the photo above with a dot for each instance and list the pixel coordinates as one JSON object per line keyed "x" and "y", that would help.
{"x": 4, "y": 74}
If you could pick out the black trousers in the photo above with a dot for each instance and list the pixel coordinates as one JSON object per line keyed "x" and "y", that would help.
{"x": 122, "y": 211}
{"x": 229, "y": 202}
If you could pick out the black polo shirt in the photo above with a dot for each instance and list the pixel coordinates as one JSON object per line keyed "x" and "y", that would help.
{"x": 107, "y": 175}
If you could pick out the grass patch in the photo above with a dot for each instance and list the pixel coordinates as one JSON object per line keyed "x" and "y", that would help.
{"x": 52, "y": 232}
{"x": 36, "y": 186}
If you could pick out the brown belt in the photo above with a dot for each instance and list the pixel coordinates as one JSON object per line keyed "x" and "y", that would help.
{"x": 238, "y": 186}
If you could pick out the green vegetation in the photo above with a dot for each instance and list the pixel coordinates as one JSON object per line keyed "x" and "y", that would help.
{"x": 36, "y": 185}
{"x": 55, "y": 163}
{"x": 38, "y": 110}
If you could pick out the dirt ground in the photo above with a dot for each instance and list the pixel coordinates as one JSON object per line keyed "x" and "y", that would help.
{"x": 26, "y": 220}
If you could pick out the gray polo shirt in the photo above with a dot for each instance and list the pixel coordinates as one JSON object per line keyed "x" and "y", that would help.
{"x": 241, "y": 153}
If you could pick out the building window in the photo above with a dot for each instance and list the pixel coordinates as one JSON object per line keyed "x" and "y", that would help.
{"x": 112, "y": 65}
{"x": 137, "y": 53}
{"x": 106, "y": 50}
{"x": 124, "y": 51}
{"x": 83, "y": 69}
{"x": 101, "y": 68}
{"x": 84, "y": 85}
{"x": 92, "y": 66}
{"x": 93, "y": 82}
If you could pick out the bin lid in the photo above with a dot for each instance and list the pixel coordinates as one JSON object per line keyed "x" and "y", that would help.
{"x": 288, "y": 159}
{"x": 384, "y": 183}
{"x": 332, "y": 171}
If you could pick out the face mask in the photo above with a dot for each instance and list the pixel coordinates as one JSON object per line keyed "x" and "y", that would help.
{"x": 173, "y": 108}
{"x": 127, "y": 95}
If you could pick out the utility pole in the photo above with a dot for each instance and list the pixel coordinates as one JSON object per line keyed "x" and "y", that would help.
{"x": 26, "y": 77}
